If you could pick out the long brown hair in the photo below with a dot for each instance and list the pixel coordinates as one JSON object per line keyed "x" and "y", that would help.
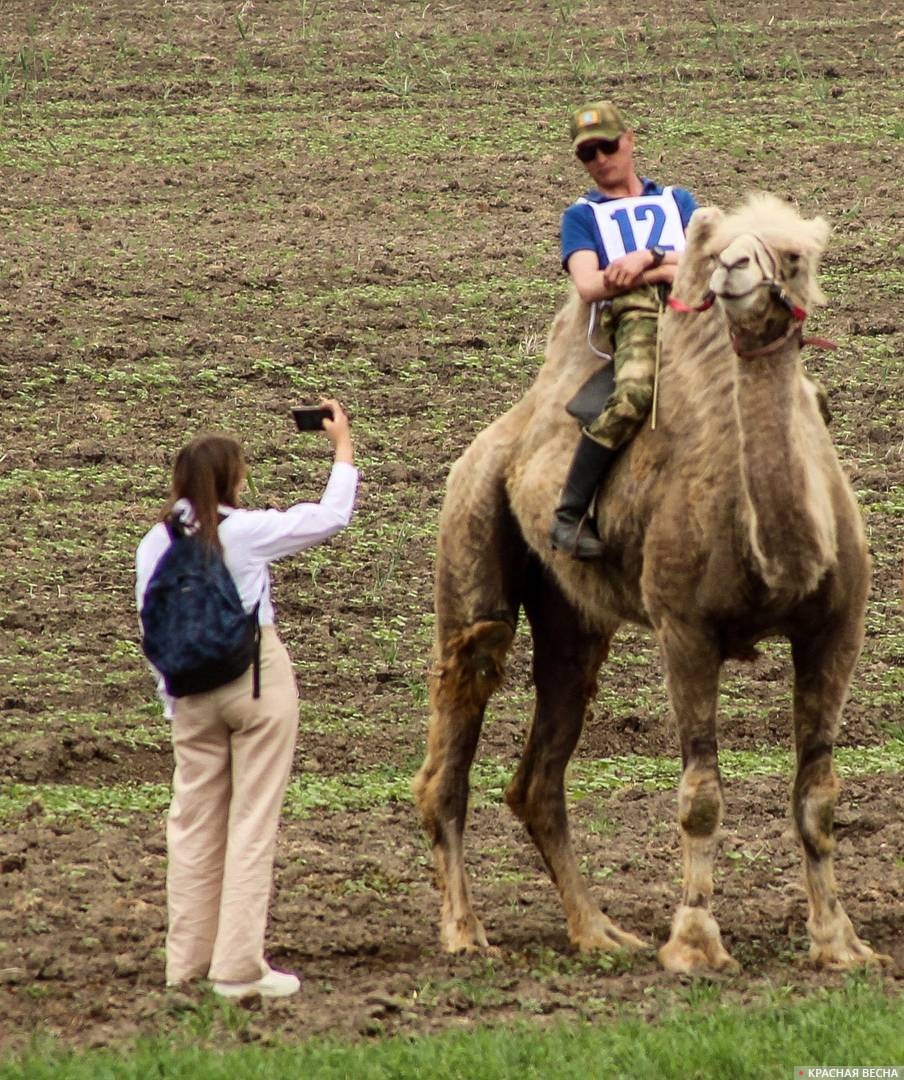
{"x": 207, "y": 472}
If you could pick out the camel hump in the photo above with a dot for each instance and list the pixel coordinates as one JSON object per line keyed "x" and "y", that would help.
{"x": 481, "y": 551}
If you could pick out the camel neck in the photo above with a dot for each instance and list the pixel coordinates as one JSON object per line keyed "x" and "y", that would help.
{"x": 791, "y": 529}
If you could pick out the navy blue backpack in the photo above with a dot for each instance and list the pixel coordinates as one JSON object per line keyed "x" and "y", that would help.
{"x": 195, "y": 631}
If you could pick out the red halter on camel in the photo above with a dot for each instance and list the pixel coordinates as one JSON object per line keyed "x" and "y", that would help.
{"x": 798, "y": 314}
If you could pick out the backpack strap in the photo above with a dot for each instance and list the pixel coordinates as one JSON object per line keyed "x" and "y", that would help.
{"x": 256, "y": 662}
{"x": 175, "y": 526}
{"x": 256, "y": 631}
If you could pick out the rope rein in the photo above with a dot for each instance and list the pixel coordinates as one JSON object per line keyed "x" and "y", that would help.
{"x": 798, "y": 314}
{"x": 591, "y": 330}
{"x": 655, "y": 404}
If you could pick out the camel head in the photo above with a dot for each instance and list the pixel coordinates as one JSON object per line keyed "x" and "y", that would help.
{"x": 766, "y": 260}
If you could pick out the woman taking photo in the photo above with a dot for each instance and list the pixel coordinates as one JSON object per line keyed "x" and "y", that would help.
{"x": 233, "y": 750}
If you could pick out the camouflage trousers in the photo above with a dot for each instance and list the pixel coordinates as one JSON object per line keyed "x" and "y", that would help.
{"x": 631, "y": 321}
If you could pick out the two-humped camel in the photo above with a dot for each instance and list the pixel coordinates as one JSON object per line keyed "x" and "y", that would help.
{"x": 730, "y": 522}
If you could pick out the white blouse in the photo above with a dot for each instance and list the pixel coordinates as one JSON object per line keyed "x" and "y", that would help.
{"x": 252, "y": 539}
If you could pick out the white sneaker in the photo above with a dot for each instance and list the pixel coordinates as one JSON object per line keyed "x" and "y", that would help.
{"x": 273, "y": 984}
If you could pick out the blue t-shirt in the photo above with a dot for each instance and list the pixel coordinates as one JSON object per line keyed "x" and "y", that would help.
{"x": 631, "y": 224}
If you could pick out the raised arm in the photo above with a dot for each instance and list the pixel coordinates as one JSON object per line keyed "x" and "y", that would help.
{"x": 267, "y": 535}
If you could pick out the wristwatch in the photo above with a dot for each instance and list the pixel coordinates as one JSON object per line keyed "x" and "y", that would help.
{"x": 658, "y": 254}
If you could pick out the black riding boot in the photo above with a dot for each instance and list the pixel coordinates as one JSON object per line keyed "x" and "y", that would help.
{"x": 571, "y": 532}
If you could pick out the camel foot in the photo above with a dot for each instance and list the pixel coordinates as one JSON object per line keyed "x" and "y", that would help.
{"x": 465, "y": 936}
{"x": 472, "y": 949}
{"x": 695, "y": 945}
{"x": 836, "y": 947}
{"x": 601, "y": 934}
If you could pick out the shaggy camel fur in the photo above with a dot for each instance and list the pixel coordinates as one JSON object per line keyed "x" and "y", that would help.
{"x": 730, "y": 522}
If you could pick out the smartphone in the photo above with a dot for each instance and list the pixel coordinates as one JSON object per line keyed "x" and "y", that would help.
{"x": 311, "y": 417}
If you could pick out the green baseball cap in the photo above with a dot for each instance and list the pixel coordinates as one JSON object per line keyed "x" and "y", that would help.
{"x": 598, "y": 120}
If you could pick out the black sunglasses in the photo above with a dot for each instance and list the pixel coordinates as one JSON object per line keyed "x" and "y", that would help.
{"x": 588, "y": 151}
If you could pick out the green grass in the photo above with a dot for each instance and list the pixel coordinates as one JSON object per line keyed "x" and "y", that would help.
{"x": 367, "y": 790}
{"x": 141, "y": 727}
{"x": 97, "y": 804}
{"x": 859, "y": 1024}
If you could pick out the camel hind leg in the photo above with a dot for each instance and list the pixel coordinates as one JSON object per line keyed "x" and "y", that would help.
{"x": 480, "y": 560}
{"x": 567, "y": 656}
{"x": 823, "y": 664}
{"x": 470, "y": 667}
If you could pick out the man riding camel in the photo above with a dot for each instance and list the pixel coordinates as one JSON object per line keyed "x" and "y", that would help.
{"x": 621, "y": 242}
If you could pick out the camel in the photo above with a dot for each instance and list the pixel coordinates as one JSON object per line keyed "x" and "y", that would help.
{"x": 728, "y": 522}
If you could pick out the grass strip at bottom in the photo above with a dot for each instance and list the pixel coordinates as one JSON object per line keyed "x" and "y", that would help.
{"x": 858, "y": 1024}
{"x": 387, "y": 784}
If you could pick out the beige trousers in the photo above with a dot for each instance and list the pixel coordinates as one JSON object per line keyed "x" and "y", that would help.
{"x": 233, "y": 757}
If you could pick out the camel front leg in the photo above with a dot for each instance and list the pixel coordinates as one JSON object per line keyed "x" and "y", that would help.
{"x": 823, "y": 666}
{"x": 692, "y": 677}
{"x": 566, "y": 660}
{"x": 695, "y": 942}
{"x": 470, "y": 670}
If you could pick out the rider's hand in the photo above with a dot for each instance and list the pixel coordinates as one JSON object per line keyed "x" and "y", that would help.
{"x": 625, "y": 273}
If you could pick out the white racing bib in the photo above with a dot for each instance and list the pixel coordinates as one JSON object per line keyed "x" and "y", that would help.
{"x": 639, "y": 222}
